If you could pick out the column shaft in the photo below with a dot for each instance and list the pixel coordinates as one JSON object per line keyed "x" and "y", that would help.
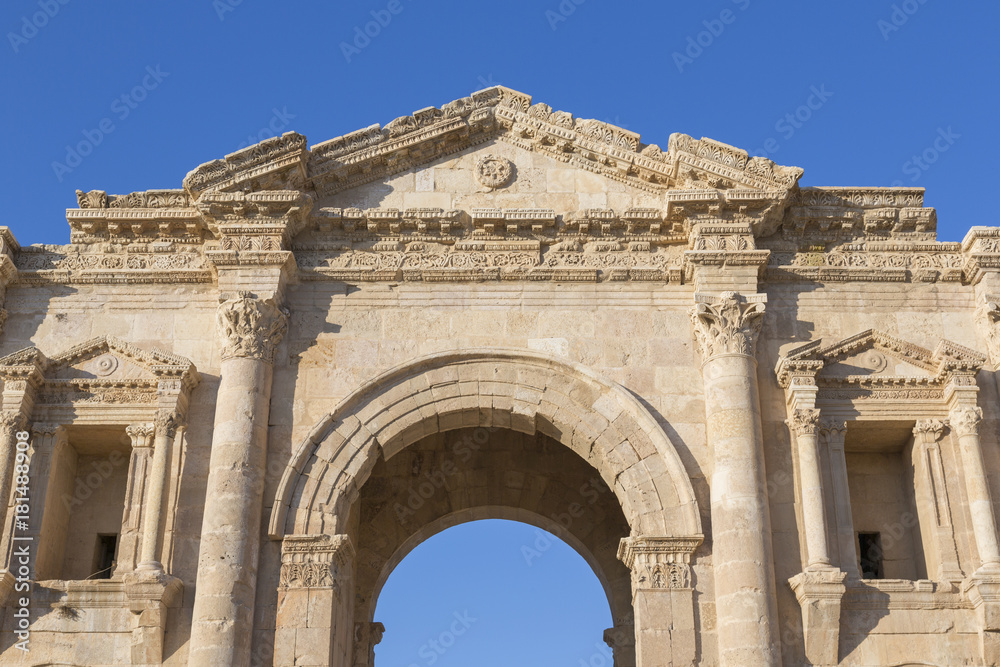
{"x": 805, "y": 426}
{"x": 230, "y": 538}
{"x": 726, "y": 329}
{"x": 965, "y": 422}
{"x": 166, "y": 424}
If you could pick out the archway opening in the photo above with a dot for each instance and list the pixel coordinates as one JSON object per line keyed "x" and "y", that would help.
{"x": 493, "y": 593}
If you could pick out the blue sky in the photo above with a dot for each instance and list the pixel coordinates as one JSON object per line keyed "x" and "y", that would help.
{"x": 872, "y": 92}
{"x": 895, "y": 78}
{"x": 493, "y": 594}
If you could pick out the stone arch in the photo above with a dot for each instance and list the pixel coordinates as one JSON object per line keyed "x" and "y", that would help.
{"x": 511, "y": 389}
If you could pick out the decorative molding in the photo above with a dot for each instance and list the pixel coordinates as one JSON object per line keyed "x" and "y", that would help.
{"x": 167, "y": 422}
{"x": 932, "y": 430}
{"x": 728, "y": 324}
{"x": 659, "y": 562}
{"x": 141, "y": 435}
{"x": 250, "y": 327}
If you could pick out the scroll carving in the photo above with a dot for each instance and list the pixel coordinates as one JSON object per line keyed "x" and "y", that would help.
{"x": 729, "y": 324}
{"x": 251, "y": 327}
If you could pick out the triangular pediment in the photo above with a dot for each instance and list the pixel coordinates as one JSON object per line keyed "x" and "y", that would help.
{"x": 112, "y": 359}
{"x": 498, "y": 114}
{"x": 878, "y": 356}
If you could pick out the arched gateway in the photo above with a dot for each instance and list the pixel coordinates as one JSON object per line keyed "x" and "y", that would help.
{"x": 677, "y": 322}
{"x": 491, "y": 397}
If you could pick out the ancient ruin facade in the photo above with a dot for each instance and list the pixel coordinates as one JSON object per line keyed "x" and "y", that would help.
{"x": 774, "y": 408}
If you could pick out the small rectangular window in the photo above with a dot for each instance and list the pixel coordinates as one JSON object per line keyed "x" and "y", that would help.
{"x": 104, "y": 560}
{"x": 871, "y": 555}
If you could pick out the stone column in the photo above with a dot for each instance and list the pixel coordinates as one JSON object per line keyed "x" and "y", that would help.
{"x": 152, "y": 524}
{"x": 315, "y": 619}
{"x": 10, "y": 423}
{"x": 933, "y": 504}
{"x": 804, "y": 425}
{"x": 726, "y": 329}
{"x": 662, "y": 599}
{"x": 141, "y": 436}
{"x": 965, "y": 423}
{"x": 251, "y": 329}
{"x": 834, "y": 433}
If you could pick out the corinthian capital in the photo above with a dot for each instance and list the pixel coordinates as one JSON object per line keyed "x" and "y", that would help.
{"x": 251, "y": 327}
{"x": 729, "y": 324}
{"x": 966, "y": 421}
{"x": 804, "y": 422}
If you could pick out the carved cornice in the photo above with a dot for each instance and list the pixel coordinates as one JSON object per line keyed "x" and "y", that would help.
{"x": 804, "y": 422}
{"x": 728, "y": 324}
{"x": 966, "y": 421}
{"x": 278, "y": 161}
{"x": 659, "y": 562}
{"x": 250, "y": 327}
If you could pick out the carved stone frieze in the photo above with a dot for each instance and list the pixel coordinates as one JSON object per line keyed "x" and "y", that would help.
{"x": 729, "y": 324}
{"x": 250, "y": 327}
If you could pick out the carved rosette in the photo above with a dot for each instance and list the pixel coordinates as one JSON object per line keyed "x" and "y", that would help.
{"x": 659, "y": 562}
{"x": 729, "y": 324}
{"x": 966, "y": 421}
{"x": 251, "y": 327}
{"x": 804, "y": 422}
{"x": 315, "y": 561}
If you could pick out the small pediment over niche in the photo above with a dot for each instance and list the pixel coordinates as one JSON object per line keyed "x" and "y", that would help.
{"x": 111, "y": 359}
{"x": 876, "y": 357}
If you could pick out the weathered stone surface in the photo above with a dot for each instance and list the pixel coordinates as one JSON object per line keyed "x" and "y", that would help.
{"x": 712, "y": 383}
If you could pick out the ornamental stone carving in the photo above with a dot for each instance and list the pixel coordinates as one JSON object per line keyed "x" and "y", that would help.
{"x": 988, "y": 319}
{"x": 315, "y": 561}
{"x": 931, "y": 429}
{"x": 167, "y": 422}
{"x": 804, "y": 422}
{"x": 251, "y": 327}
{"x": 141, "y": 435}
{"x": 729, "y": 324}
{"x": 966, "y": 421}
{"x": 659, "y": 562}
{"x": 494, "y": 172}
